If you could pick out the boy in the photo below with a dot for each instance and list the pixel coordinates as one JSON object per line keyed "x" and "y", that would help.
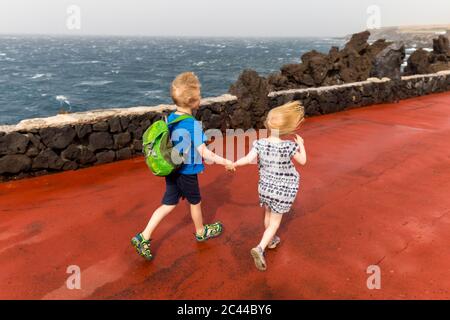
{"x": 189, "y": 139}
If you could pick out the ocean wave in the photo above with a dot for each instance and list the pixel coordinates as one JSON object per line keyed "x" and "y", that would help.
{"x": 156, "y": 94}
{"x": 41, "y": 75}
{"x": 200, "y": 63}
{"x": 111, "y": 72}
{"x": 38, "y": 75}
{"x": 63, "y": 100}
{"x": 98, "y": 83}
{"x": 215, "y": 45}
{"x": 85, "y": 62}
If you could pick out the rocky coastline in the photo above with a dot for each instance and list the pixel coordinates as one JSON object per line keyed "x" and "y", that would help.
{"x": 359, "y": 60}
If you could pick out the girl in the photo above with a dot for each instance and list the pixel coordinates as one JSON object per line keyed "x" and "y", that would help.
{"x": 278, "y": 178}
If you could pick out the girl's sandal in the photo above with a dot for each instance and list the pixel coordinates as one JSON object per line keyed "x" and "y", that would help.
{"x": 142, "y": 246}
{"x": 274, "y": 243}
{"x": 211, "y": 231}
{"x": 258, "y": 255}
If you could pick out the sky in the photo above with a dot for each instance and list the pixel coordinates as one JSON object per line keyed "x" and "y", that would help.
{"x": 271, "y": 18}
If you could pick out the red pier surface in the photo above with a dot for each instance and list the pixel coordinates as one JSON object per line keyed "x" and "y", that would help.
{"x": 375, "y": 191}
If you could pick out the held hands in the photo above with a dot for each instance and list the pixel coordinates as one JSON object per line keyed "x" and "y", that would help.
{"x": 230, "y": 166}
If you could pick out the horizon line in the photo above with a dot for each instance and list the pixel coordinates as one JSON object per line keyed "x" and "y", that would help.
{"x": 162, "y": 36}
{"x": 138, "y": 35}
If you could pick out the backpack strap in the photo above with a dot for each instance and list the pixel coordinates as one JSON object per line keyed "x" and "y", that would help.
{"x": 180, "y": 118}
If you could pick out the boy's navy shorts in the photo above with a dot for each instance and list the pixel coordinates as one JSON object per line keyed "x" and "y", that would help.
{"x": 181, "y": 186}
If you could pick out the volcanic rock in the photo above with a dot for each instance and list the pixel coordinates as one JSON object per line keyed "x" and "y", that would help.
{"x": 57, "y": 138}
{"x": 13, "y": 143}
{"x": 252, "y": 93}
{"x": 14, "y": 164}
{"x": 387, "y": 64}
{"x": 100, "y": 140}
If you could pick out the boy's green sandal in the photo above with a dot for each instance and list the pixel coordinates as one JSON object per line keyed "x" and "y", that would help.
{"x": 211, "y": 231}
{"x": 142, "y": 246}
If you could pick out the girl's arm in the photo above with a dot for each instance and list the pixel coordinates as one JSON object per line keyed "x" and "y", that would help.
{"x": 249, "y": 158}
{"x": 300, "y": 156}
{"x": 211, "y": 156}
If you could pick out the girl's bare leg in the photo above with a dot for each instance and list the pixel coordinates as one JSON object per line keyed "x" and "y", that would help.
{"x": 266, "y": 218}
{"x": 156, "y": 218}
{"x": 271, "y": 230}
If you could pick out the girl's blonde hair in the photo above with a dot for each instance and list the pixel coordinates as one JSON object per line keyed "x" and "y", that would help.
{"x": 285, "y": 119}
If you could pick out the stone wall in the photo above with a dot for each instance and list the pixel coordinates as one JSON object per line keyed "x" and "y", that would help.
{"x": 73, "y": 141}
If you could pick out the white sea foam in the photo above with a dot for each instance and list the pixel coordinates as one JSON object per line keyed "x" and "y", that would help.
{"x": 61, "y": 98}
{"x": 152, "y": 93}
{"x": 41, "y": 75}
{"x": 143, "y": 81}
{"x": 200, "y": 63}
{"x": 37, "y": 76}
{"x": 85, "y": 62}
{"x": 98, "y": 83}
{"x": 64, "y": 102}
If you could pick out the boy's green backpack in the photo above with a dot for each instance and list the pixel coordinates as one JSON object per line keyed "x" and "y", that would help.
{"x": 157, "y": 147}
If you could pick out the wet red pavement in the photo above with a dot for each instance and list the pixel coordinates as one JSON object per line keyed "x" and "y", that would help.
{"x": 375, "y": 191}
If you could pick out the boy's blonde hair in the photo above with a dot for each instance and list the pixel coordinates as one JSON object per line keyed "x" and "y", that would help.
{"x": 285, "y": 119}
{"x": 185, "y": 89}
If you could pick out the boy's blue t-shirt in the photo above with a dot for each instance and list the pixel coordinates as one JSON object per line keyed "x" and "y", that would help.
{"x": 187, "y": 136}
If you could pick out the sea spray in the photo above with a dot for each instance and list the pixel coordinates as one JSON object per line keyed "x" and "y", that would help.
{"x": 64, "y": 104}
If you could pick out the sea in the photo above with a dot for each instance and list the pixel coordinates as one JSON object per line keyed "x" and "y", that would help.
{"x": 41, "y": 76}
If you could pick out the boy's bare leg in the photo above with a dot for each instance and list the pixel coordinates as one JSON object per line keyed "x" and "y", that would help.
{"x": 197, "y": 217}
{"x": 156, "y": 218}
{"x": 274, "y": 224}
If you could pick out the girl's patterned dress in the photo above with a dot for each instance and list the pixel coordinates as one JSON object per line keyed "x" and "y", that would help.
{"x": 278, "y": 178}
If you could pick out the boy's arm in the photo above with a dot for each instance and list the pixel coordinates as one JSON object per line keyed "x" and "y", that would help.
{"x": 249, "y": 158}
{"x": 202, "y": 149}
{"x": 211, "y": 156}
{"x": 300, "y": 156}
